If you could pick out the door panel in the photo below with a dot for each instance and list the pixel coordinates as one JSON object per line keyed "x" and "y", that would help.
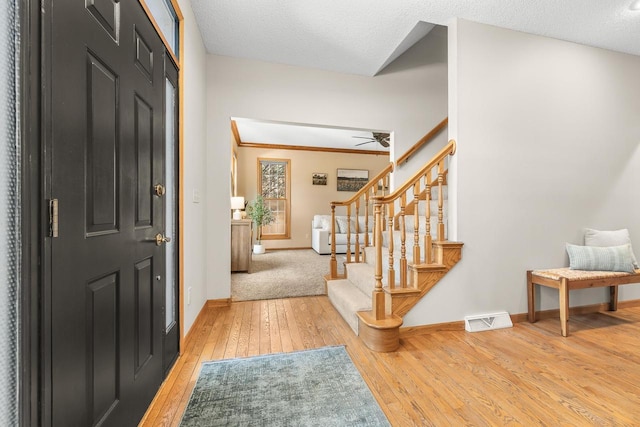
{"x": 143, "y": 314}
{"x": 102, "y": 298}
{"x": 102, "y": 149}
{"x": 143, "y": 118}
{"x": 144, "y": 57}
{"x": 105, "y": 151}
{"x": 107, "y": 13}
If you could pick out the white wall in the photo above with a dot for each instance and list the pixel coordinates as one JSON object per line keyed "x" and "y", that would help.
{"x": 548, "y": 135}
{"x": 194, "y": 125}
{"x": 408, "y": 97}
{"x": 433, "y": 48}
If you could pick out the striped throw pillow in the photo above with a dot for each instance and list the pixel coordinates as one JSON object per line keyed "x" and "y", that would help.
{"x": 592, "y": 258}
{"x": 609, "y": 238}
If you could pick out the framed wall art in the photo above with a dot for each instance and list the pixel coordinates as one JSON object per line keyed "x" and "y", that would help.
{"x": 319, "y": 178}
{"x": 352, "y": 179}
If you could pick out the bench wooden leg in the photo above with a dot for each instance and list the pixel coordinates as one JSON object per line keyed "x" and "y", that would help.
{"x": 564, "y": 307}
{"x": 613, "y": 300}
{"x": 531, "y": 297}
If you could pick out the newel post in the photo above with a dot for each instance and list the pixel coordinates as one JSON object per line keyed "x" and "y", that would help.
{"x": 378, "y": 306}
{"x": 440, "y": 201}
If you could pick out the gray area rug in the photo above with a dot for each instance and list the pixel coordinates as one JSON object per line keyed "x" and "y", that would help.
{"x": 281, "y": 274}
{"x": 318, "y": 387}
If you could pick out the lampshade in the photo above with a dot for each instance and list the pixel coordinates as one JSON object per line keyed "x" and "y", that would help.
{"x": 635, "y": 5}
{"x": 237, "y": 203}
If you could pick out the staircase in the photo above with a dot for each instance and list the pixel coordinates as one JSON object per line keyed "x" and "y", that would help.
{"x": 404, "y": 255}
{"x": 352, "y": 294}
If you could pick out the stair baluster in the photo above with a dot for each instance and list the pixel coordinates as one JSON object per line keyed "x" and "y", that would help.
{"x": 391, "y": 277}
{"x": 378, "y": 297}
{"x": 348, "y": 233}
{"x": 403, "y": 238}
{"x": 440, "y": 200}
{"x": 357, "y": 254}
{"x": 367, "y": 242}
{"x": 416, "y": 223}
{"x": 428, "y": 247}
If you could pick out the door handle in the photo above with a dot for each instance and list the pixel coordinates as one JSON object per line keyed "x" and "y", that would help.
{"x": 161, "y": 238}
{"x": 159, "y": 190}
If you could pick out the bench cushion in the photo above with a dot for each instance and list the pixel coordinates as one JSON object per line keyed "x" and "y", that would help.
{"x": 567, "y": 273}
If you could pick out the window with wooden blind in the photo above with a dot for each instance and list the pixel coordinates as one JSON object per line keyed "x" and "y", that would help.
{"x": 274, "y": 183}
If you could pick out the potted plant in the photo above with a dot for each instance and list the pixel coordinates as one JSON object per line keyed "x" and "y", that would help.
{"x": 261, "y": 215}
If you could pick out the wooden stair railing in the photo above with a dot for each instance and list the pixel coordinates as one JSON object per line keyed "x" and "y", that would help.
{"x": 379, "y": 185}
{"x": 423, "y": 141}
{"x": 363, "y": 199}
{"x": 430, "y": 260}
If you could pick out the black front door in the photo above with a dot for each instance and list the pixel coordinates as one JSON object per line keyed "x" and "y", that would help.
{"x": 103, "y": 113}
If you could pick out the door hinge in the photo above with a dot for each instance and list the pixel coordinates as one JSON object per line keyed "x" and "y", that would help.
{"x": 53, "y": 218}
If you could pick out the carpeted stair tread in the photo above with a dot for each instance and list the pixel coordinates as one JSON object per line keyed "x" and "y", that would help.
{"x": 348, "y": 300}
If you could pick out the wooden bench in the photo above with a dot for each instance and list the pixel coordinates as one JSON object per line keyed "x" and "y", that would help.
{"x": 565, "y": 280}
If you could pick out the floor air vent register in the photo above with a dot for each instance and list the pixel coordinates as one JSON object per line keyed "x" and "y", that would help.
{"x": 487, "y": 322}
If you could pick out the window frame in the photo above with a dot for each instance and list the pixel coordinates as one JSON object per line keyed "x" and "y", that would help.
{"x": 287, "y": 233}
{"x": 174, "y": 49}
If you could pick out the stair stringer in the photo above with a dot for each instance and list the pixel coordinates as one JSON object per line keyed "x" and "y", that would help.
{"x": 424, "y": 277}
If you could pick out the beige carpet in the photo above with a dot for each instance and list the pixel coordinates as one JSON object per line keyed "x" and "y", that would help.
{"x": 281, "y": 274}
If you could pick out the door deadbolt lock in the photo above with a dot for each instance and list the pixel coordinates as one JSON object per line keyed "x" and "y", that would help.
{"x": 161, "y": 238}
{"x": 159, "y": 190}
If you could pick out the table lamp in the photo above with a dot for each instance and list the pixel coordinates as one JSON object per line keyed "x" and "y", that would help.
{"x": 237, "y": 203}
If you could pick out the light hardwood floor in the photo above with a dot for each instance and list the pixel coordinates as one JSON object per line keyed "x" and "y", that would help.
{"x": 525, "y": 375}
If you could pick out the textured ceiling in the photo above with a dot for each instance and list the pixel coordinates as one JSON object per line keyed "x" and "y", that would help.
{"x": 363, "y": 36}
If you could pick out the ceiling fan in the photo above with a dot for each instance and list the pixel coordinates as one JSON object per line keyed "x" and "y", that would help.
{"x": 381, "y": 138}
